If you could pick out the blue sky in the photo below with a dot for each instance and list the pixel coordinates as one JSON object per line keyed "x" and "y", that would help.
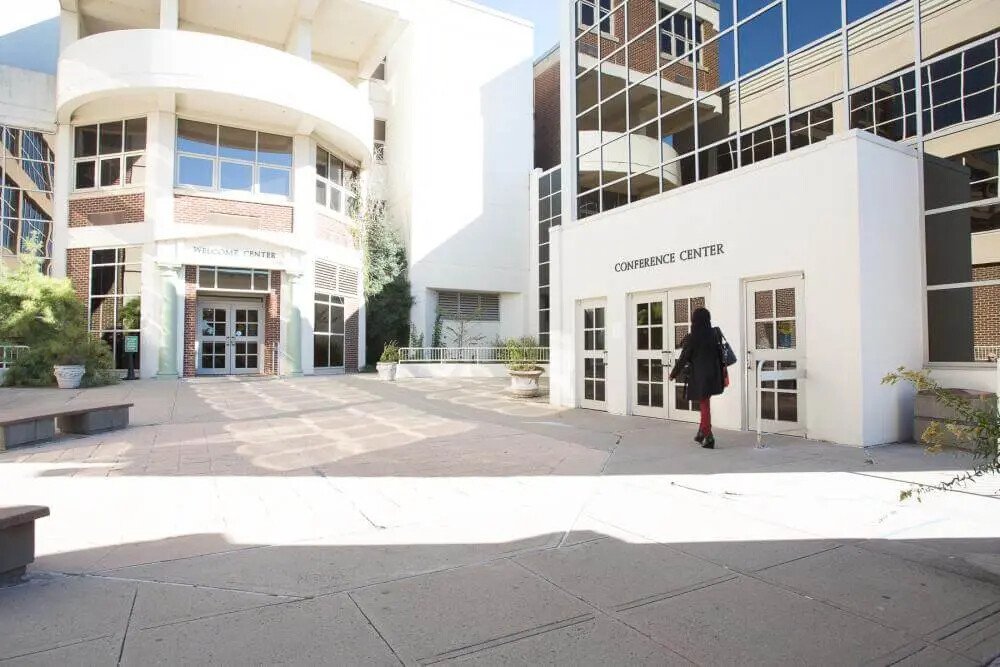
{"x": 543, "y": 13}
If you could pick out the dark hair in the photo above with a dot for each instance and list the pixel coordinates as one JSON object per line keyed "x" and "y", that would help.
{"x": 701, "y": 319}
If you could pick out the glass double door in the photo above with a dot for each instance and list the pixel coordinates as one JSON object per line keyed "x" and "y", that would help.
{"x": 230, "y": 337}
{"x": 593, "y": 355}
{"x": 659, "y": 322}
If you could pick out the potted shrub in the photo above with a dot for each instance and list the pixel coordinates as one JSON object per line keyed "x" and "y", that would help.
{"x": 69, "y": 368}
{"x": 522, "y": 365}
{"x": 387, "y": 362}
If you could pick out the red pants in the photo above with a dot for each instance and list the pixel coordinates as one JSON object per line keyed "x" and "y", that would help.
{"x": 705, "y": 406}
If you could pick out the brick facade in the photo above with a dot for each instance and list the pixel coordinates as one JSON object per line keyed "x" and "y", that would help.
{"x": 199, "y": 210}
{"x": 78, "y": 271}
{"x": 351, "y": 316}
{"x": 190, "y": 320}
{"x": 986, "y": 306}
{"x": 547, "y": 119}
{"x": 272, "y": 324}
{"x": 107, "y": 210}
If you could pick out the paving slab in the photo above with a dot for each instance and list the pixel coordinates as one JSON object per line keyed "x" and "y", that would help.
{"x": 94, "y": 653}
{"x": 328, "y": 630}
{"x": 922, "y": 654}
{"x": 745, "y": 622}
{"x": 163, "y": 604}
{"x": 466, "y": 609}
{"x": 49, "y": 613}
{"x": 901, "y": 594}
{"x": 976, "y": 635}
{"x": 610, "y": 573}
{"x": 599, "y": 641}
{"x": 750, "y": 556}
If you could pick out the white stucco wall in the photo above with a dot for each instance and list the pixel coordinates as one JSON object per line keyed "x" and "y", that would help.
{"x": 27, "y": 99}
{"x": 459, "y": 149}
{"x": 844, "y": 214}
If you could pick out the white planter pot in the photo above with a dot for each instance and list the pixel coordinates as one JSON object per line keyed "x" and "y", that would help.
{"x": 386, "y": 371}
{"x": 68, "y": 377}
{"x": 524, "y": 384}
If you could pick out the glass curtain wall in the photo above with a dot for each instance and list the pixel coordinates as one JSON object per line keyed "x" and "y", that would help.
{"x": 27, "y": 165}
{"x": 673, "y": 92}
{"x": 549, "y": 215}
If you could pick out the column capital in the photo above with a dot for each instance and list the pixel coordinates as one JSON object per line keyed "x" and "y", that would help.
{"x": 169, "y": 269}
{"x": 293, "y": 277}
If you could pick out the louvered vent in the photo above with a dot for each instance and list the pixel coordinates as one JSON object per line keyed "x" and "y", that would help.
{"x": 470, "y": 306}
{"x": 336, "y": 279}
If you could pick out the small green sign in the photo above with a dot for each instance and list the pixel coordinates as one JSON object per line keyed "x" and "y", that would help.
{"x": 131, "y": 343}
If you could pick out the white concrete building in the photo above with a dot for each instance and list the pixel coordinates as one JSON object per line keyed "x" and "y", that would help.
{"x": 821, "y": 175}
{"x": 203, "y": 154}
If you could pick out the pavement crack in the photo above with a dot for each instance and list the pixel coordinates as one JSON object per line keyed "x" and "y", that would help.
{"x": 121, "y": 650}
{"x": 375, "y": 628}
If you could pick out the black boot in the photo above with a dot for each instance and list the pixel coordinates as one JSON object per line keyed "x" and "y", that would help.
{"x": 709, "y": 442}
{"x": 700, "y": 438}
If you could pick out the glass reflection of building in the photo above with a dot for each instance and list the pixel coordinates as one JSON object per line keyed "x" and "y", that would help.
{"x": 26, "y": 173}
{"x": 670, "y": 93}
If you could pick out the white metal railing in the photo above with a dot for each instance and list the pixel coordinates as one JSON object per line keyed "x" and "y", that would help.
{"x": 472, "y": 355}
{"x": 8, "y": 353}
{"x": 986, "y": 352}
{"x": 797, "y": 373}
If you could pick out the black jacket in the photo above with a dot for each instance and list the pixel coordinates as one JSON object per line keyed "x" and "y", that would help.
{"x": 705, "y": 372}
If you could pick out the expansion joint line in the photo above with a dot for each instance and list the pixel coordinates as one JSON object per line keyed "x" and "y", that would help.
{"x": 604, "y": 467}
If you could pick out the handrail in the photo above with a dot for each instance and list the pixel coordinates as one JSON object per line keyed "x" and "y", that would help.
{"x": 797, "y": 373}
{"x": 473, "y": 355}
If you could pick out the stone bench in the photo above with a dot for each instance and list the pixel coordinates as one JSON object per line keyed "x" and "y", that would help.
{"x": 17, "y": 540}
{"x": 28, "y": 429}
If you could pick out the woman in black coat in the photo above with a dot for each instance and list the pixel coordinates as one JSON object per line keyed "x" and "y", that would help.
{"x": 701, "y": 361}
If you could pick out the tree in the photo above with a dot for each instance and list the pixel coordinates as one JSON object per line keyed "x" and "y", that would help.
{"x": 45, "y": 314}
{"x": 386, "y": 286}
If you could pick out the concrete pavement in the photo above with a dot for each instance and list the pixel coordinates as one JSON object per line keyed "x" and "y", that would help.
{"x": 346, "y": 521}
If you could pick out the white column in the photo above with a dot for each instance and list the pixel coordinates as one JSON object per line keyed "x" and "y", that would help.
{"x": 170, "y": 305}
{"x": 161, "y": 131}
{"x": 299, "y": 41}
{"x": 292, "y": 342}
{"x": 169, "y": 14}
{"x": 69, "y": 28}
{"x": 62, "y": 186}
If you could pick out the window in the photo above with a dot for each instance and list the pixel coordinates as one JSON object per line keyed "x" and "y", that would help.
{"x": 26, "y": 172}
{"x": 328, "y": 331}
{"x": 549, "y": 215}
{"x": 811, "y": 127}
{"x": 333, "y": 181}
{"x": 888, "y": 109}
{"x": 379, "y": 141}
{"x": 762, "y": 143}
{"x": 234, "y": 280}
{"x": 588, "y": 9}
{"x": 961, "y": 87}
{"x": 115, "y": 284}
{"x": 109, "y": 155}
{"x": 679, "y": 35}
{"x": 379, "y": 73}
{"x": 469, "y": 306}
{"x": 230, "y": 159}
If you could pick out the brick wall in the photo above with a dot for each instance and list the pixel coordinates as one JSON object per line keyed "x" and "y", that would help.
{"x": 986, "y": 306}
{"x": 110, "y": 209}
{"x": 272, "y": 323}
{"x": 351, "y": 317}
{"x": 190, "y": 320}
{"x": 246, "y": 215}
{"x": 547, "y": 120}
{"x": 78, "y": 271}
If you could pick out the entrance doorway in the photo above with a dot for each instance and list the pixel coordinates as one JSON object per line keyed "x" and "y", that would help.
{"x": 660, "y": 321}
{"x": 593, "y": 355}
{"x": 230, "y": 337}
{"x": 775, "y": 337}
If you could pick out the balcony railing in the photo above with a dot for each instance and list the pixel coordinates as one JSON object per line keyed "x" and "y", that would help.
{"x": 986, "y": 352}
{"x": 10, "y": 353}
{"x": 472, "y": 355}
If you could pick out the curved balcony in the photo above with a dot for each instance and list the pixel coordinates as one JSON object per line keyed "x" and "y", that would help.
{"x": 645, "y": 155}
{"x": 219, "y": 70}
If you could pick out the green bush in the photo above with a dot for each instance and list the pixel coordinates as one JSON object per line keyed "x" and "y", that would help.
{"x": 45, "y": 314}
{"x": 521, "y": 354}
{"x": 390, "y": 353}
